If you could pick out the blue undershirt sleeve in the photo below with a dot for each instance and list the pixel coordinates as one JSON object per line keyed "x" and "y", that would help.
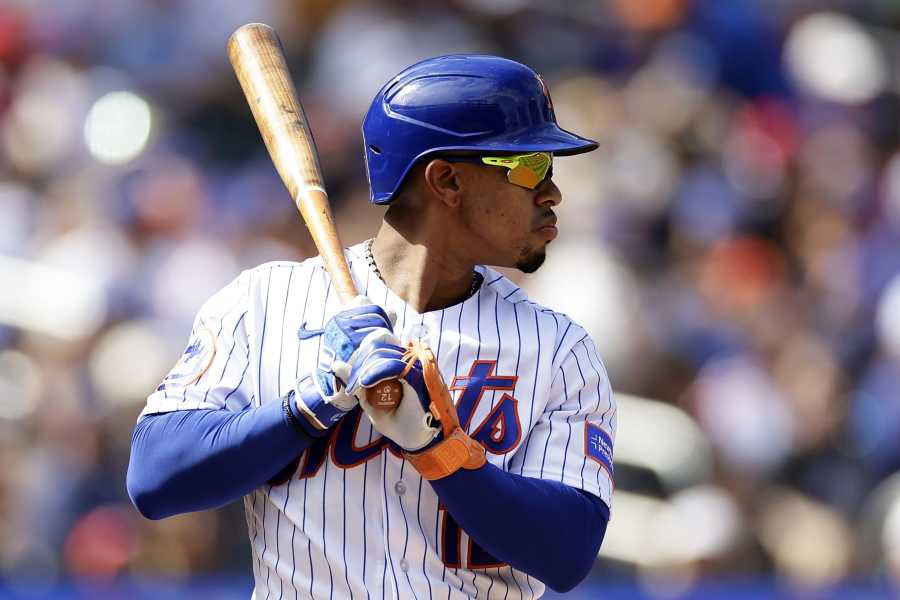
{"x": 189, "y": 460}
{"x": 545, "y": 528}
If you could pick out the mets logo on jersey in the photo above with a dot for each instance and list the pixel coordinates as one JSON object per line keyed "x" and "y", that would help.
{"x": 195, "y": 361}
{"x": 500, "y": 430}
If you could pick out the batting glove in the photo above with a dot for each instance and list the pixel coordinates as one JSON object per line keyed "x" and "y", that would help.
{"x": 411, "y": 425}
{"x": 321, "y": 396}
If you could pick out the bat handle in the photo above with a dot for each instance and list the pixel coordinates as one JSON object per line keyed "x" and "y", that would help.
{"x": 313, "y": 205}
{"x": 385, "y": 396}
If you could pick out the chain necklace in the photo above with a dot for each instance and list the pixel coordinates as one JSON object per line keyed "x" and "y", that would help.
{"x": 370, "y": 258}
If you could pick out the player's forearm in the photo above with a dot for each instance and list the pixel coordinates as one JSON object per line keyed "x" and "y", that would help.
{"x": 191, "y": 460}
{"x": 544, "y": 528}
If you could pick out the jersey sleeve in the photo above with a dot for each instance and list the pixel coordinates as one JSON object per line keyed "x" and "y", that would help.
{"x": 212, "y": 372}
{"x": 572, "y": 441}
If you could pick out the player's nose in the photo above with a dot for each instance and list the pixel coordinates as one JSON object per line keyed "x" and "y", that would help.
{"x": 548, "y": 194}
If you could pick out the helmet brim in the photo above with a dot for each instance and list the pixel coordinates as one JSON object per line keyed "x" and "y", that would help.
{"x": 549, "y": 138}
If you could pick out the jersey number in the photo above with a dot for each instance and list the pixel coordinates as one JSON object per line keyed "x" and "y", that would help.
{"x": 451, "y": 545}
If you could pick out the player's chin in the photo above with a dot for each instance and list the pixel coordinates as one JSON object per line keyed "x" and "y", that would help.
{"x": 532, "y": 261}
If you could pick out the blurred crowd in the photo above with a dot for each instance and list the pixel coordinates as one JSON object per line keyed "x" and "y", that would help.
{"x": 733, "y": 247}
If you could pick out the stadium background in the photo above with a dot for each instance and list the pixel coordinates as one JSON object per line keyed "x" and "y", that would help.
{"x": 734, "y": 248}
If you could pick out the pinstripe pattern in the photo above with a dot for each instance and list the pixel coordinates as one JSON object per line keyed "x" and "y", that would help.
{"x": 373, "y": 530}
{"x": 323, "y": 528}
{"x": 259, "y": 381}
{"x": 279, "y": 392}
{"x": 312, "y": 270}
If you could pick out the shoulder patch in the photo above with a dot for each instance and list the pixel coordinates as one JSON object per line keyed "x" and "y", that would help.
{"x": 197, "y": 357}
{"x": 598, "y": 446}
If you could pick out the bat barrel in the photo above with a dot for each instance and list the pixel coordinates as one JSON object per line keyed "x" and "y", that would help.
{"x": 256, "y": 54}
{"x": 258, "y": 60}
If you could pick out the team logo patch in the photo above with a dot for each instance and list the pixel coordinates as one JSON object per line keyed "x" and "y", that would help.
{"x": 195, "y": 361}
{"x": 598, "y": 445}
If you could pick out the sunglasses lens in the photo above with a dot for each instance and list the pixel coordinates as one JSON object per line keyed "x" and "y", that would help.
{"x": 525, "y": 170}
{"x": 524, "y": 176}
{"x": 539, "y": 162}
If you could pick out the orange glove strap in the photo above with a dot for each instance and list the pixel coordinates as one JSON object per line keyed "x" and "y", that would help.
{"x": 456, "y": 452}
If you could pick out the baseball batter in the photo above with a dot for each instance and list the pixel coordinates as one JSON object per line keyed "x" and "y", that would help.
{"x": 493, "y": 477}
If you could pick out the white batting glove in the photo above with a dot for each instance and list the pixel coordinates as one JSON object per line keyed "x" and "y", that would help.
{"x": 410, "y": 425}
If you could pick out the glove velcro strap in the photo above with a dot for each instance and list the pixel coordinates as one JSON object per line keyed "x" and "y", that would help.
{"x": 312, "y": 405}
{"x": 458, "y": 451}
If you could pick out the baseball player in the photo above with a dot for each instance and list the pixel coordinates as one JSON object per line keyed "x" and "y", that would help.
{"x": 493, "y": 476}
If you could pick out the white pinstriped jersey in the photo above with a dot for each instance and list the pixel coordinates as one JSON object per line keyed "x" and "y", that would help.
{"x": 354, "y": 520}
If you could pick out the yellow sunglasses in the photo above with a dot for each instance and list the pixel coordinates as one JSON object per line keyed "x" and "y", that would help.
{"x": 525, "y": 170}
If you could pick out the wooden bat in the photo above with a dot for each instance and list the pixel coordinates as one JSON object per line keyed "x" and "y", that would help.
{"x": 257, "y": 57}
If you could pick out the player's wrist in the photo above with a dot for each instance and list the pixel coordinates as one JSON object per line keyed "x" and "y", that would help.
{"x": 315, "y": 411}
{"x": 447, "y": 456}
{"x": 295, "y": 418}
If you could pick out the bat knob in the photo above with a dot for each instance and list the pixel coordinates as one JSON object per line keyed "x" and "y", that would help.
{"x": 385, "y": 396}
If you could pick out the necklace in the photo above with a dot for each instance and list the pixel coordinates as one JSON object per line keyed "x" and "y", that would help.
{"x": 370, "y": 258}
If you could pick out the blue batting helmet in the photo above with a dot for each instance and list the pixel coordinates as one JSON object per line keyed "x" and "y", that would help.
{"x": 459, "y": 102}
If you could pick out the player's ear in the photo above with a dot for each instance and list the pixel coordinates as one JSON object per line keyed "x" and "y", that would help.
{"x": 442, "y": 179}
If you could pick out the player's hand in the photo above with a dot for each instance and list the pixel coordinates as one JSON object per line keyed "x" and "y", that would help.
{"x": 321, "y": 396}
{"x": 411, "y": 425}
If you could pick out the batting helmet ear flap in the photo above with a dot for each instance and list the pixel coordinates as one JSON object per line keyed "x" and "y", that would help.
{"x": 459, "y": 102}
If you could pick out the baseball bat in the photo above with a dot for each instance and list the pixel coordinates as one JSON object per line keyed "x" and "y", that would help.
{"x": 258, "y": 60}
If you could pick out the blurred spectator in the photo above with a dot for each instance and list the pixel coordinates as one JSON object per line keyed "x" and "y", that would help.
{"x": 734, "y": 248}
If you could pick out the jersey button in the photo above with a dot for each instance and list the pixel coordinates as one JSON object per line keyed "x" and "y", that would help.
{"x": 404, "y": 565}
{"x": 400, "y": 488}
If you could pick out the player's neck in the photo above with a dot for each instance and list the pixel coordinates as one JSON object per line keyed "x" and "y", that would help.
{"x": 422, "y": 270}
